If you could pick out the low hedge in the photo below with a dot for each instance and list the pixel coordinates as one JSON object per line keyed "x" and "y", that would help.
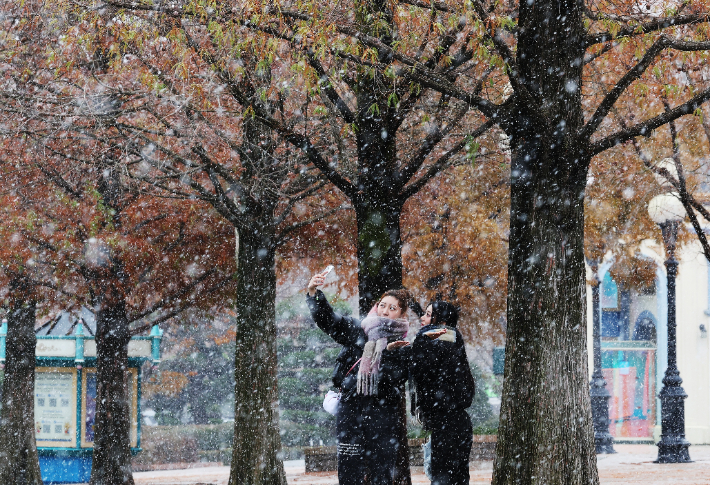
{"x": 319, "y": 418}
{"x": 165, "y": 444}
{"x": 181, "y": 444}
{"x": 225, "y": 456}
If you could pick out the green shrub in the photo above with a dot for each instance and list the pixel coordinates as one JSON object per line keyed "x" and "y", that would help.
{"x": 292, "y": 386}
{"x": 225, "y": 456}
{"x": 211, "y": 456}
{"x": 292, "y": 452}
{"x": 330, "y": 354}
{"x": 320, "y": 418}
{"x": 165, "y": 444}
{"x": 213, "y": 437}
{"x": 480, "y": 410}
{"x": 306, "y": 357}
{"x": 298, "y": 359}
{"x": 489, "y": 427}
{"x": 317, "y": 375}
{"x": 293, "y": 434}
{"x": 301, "y": 402}
{"x": 314, "y": 336}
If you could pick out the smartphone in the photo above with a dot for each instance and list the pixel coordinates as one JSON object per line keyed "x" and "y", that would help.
{"x": 327, "y": 270}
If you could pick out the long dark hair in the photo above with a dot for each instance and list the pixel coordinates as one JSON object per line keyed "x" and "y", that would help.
{"x": 444, "y": 313}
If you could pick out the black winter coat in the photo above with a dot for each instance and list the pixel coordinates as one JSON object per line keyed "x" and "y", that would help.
{"x": 347, "y": 331}
{"x": 441, "y": 374}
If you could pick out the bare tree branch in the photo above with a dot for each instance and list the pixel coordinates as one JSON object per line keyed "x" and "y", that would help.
{"x": 282, "y": 237}
{"x": 645, "y": 28}
{"x": 626, "y": 80}
{"x": 690, "y": 201}
{"x": 645, "y": 128}
{"x": 432, "y": 5}
{"x": 427, "y": 146}
{"x": 416, "y": 71}
{"x": 212, "y": 168}
{"x": 685, "y": 197}
{"x": 190, "y": 303}
{"x": 175, "y": 296}
{"x": 606, "y": 48}
{"x": 59, "y": 181}
{"x": 442, "y": 162}
{"x": 300, "y": 141}
{"x": 329, "y": 90}
{"x": 293, "y": 200}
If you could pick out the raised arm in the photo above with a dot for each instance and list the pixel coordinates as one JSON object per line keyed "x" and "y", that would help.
{"x": 343, "y": 329}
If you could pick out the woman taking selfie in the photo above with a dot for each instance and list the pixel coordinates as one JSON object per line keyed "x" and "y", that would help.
{"x": 368, "y": 420}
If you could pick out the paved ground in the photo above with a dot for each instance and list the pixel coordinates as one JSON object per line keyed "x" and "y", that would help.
{"x": 633, "y": 464}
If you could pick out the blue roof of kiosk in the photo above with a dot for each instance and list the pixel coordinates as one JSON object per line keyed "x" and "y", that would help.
{"x": 65, "y": 324}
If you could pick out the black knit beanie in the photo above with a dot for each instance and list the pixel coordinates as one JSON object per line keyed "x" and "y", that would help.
{"x": 444, "y": 313}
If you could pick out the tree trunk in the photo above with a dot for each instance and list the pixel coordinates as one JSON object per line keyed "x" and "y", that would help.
{"x": 546, "y": 433}
{"x": 112, "y": 454}
{"x": 257, "y": 442}
{"x": 379, "y": 251}
{"x": 377, "y": 204}
{"x": 19, "y": 463}
{"x": 378, "y": 210}
{"x": 379, "y": 254}
{"x": 545, "y": 413}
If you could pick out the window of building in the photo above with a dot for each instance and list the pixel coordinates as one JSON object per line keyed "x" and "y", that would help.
{"x": 609, "y": 295}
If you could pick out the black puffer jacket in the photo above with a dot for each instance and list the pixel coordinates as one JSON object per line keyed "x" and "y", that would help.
{"x": 347, "y": 331}
{"x": 441, "y": 374}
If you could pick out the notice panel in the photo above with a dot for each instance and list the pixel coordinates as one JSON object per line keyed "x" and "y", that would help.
{"x": 55, "y": 407}
{"x": 88, "y": 405}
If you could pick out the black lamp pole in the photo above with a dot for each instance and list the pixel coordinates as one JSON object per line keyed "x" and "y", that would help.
{"x": 673, "y": 447}
{"x": 603, "y": 440}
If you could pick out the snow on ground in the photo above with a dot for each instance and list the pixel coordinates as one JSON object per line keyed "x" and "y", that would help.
{"x": 632, "y": 464}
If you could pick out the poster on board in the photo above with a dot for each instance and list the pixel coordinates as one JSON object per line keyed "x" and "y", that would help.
{"x": 88, "y": 405}
{"x": 55, "y": 407}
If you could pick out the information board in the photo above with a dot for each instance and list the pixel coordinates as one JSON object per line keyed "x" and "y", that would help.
{"x": 88, "y": 405}
{"x": 55, "y": 407}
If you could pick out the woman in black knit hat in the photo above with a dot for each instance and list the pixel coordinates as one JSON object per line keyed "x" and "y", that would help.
{"x": 443, "y": 388}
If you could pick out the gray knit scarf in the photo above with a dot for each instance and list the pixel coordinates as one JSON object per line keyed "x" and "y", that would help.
{"x": 378, "y": 331}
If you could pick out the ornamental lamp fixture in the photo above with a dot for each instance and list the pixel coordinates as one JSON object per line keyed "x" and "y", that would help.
{"x": 667, "y": 164}
{"x": 666, "y": 208}
{"x": 667, "y": 211}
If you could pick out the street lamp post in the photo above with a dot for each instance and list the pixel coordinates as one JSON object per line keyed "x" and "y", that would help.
{"x": 603, "y": 440}
{"x": 667, "y": 211}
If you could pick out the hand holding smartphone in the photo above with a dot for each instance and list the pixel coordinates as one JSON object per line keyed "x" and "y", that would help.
{"x": 318, "y": 279}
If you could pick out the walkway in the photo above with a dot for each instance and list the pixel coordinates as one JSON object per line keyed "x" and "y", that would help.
{"x": 633, "y": 464}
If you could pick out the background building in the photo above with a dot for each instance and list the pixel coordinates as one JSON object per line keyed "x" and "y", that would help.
{"x": 634, "y": 346}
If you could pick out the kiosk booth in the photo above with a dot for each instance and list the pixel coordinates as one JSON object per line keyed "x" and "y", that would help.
{"x": 65, "y": 393}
